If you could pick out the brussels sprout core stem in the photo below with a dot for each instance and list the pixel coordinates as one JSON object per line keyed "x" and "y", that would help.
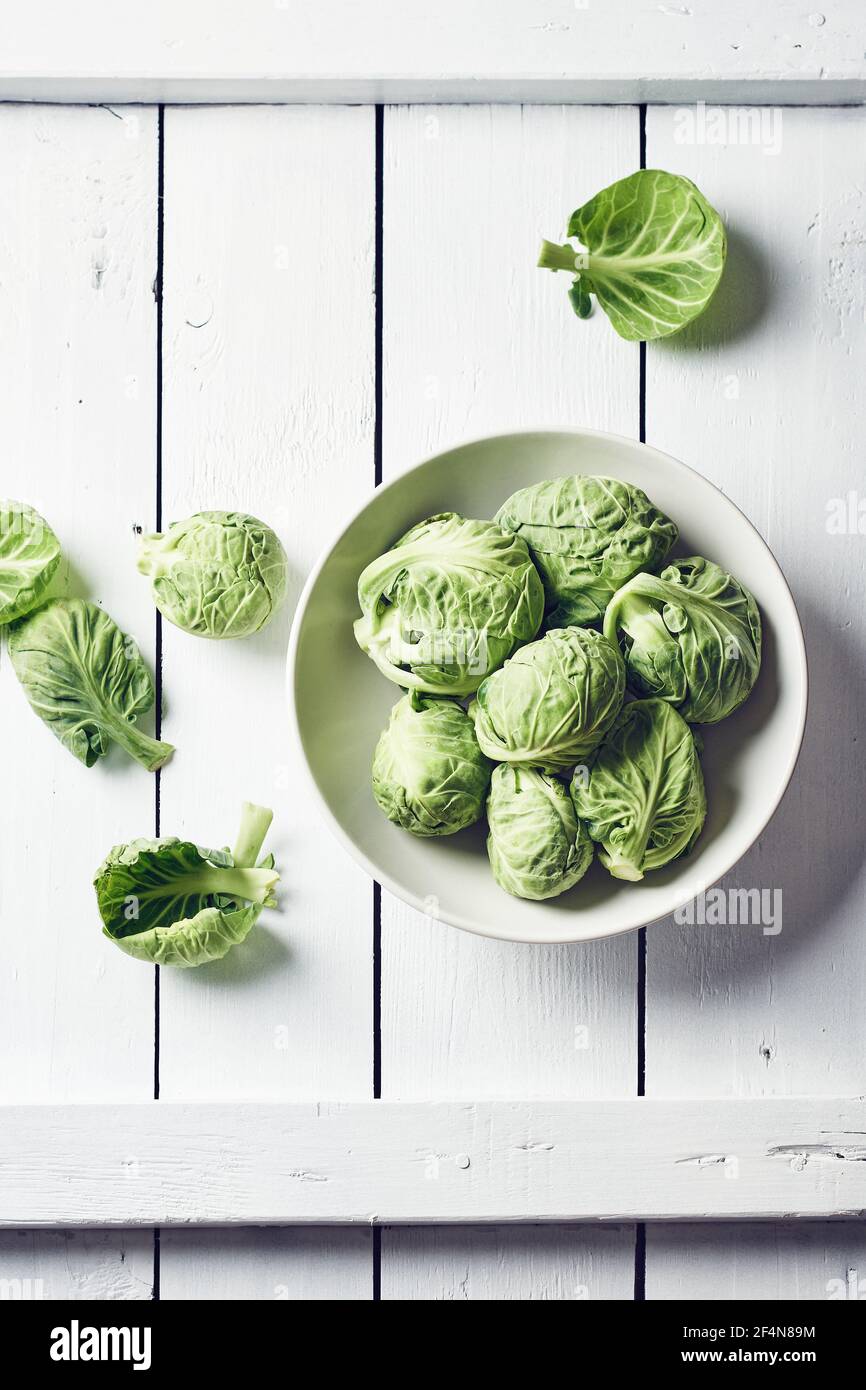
{"x": 255, "y": 823}
{"x": 644, "y": 626}
{"x": 242, "y": 884}
{"x": 554, "y": 257}
{"x": 620, "y": 867}
{"x": 148, "y": 751}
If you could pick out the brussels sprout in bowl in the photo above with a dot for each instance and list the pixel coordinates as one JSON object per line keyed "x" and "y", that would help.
{"x": 340, "y": 703}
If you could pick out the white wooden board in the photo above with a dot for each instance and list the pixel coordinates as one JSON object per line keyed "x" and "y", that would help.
{"x": 268, "y": 408}
{"x": 765, "y": 397}
{"x": 76, "y": 1265}
{"x": 507, "y": 1264}
{"x": 280, "y": 1264}
{"x": 766, "y": 1262}
{"x": 381, "y": 1162}
{"x": 482, "y": 342}
{"x": 770, "y": 408}
{"x": 78, "y": 404}
{"x": 408, "y": 50}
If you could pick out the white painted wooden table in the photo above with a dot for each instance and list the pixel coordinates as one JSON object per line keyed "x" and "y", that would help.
{"x": 218, "y": 347}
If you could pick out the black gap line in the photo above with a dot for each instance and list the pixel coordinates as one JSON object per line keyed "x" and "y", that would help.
{"x": 642, "y": 134}
{"x": 157, "y": 1233}
{"x": 640, "y": 1228}
{"x": 379, "y": 180}
{"x": 157, "y": 815}
{"x": 377, "y": 478}
{"x": 157, "y": 291}
{"x": 640, "y": 1262}
{"x": 377, "y": 1264}
{"x": 377, "y": 991}
{"x": 641, "y": 417}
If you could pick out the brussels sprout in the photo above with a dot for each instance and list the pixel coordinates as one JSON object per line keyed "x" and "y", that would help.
{"x": 553, "y": 702}
{"x": 587, "y": 536}
{"x": 429, "y": 775}
{"x": 29, "y": 556}
{"x": 691, "y": 635}
{"x": 171, "y": 902}
{"x": 86, "y": 679}
{"x": 217, "y": 574}
{"x": 447, "y": 604}
{"x": 643, "y": 799}
{"x": 537, "y": 846}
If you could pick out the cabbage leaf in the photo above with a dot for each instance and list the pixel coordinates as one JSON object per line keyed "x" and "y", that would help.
{"x": 171, "y": 902}
{"x": 654, "y": 251}
{"x": 86, "y": 679}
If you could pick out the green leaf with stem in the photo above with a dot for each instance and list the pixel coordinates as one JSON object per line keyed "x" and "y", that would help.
{"x": 171, "y": 902}
{"x": 86, "y": 680}
{"x": 654, "y": 251}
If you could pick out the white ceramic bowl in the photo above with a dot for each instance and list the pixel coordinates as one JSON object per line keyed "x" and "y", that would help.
{"x": 340, "y": 703}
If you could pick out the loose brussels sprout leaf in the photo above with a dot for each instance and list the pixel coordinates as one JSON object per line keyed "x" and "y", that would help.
{"x": 217, "y": 574}
{"x": 587, "y": 536}
{"x": 655, "y": 251}
{"x": 429, "y": 775}
{"x": 86, "y": 680}
{"x": 29, "y": 556}
{"x": 171, "y": 902}
{"x": 691, "y": 635}
{"x": 537, "y": 846}
{"x": 447, "y": 604}
{"x": 553, "y": 702}
{"x": 643, "y": 799}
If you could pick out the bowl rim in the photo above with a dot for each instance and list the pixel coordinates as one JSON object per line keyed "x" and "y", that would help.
{"x": 360, "y": 857}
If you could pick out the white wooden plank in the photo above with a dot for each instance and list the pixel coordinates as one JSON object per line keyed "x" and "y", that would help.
{"x": 482, "y": 342}
{"x": 527, "y": 1264}
{"x": 407, "y": 50}
{"x": 76, "y": 1265}
{"x": 268, "y": 408}
{"x": 405, "y": 1162}
{"x": 764, "y": 1262}
{"x": 78, "y": 403}
{"x": 766, "y": 398}
{"x": 283, "y": 1264}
